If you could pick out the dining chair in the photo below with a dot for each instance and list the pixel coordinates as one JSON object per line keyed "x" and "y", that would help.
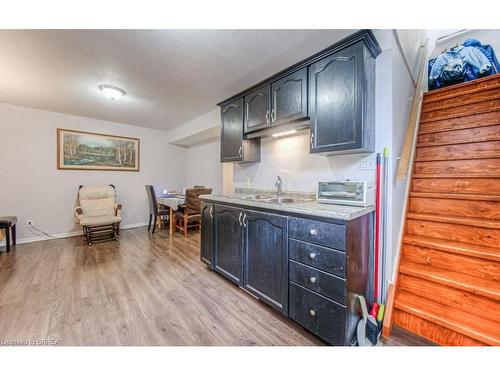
{"x": 189, "y": 215}
{"x": 8, "y": 223}
{"x": 154, "y": 210}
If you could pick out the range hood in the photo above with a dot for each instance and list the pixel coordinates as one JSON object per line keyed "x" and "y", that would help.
{"x": 281, "y": 129}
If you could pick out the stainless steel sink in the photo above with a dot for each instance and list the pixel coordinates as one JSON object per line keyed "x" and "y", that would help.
{"x": 281, "y": 200}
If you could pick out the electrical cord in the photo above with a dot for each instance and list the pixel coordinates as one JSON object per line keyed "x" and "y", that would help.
{"x": 30, "y": 226}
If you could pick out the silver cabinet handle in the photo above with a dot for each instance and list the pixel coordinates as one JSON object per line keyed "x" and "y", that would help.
{"x": 312, "y": 279}
{"x": 312, "y": 312}
{"x": 313, "y": 232}
{"x": 245, "y": 220}
{"x": 239, "y": 218}
{"x": 239, "y": 151}
{"x": 267, "y": 116}
{"x": 273, "y": 115}
{"x": 212, "y": 212}
{"x": 312, "y": 139}
{"x": 312, "y": 255}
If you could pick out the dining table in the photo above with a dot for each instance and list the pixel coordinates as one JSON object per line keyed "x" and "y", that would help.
{"x": 172, "y": 201}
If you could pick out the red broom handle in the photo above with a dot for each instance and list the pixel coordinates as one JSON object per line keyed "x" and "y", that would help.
{"x": 377, "y": 227}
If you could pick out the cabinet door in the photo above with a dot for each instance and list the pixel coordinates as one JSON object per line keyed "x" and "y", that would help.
{"x": 336, "y": 101}
{"x": 232, "y": 131}
{"x": 207, "y": 233}
{"x": 257, "y": 109}
{"x": 289, "y": 97}
{"x": 266, "y": 258}
{"x": 228, "y": 242}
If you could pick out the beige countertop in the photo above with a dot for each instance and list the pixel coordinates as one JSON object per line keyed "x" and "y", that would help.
{"x": 332, "y": 211}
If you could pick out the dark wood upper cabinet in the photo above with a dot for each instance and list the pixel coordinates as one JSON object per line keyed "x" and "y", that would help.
{"x": 257, "y": 109}
{"x": 334, "y": 90}
{"x": 289, "y": 98}
{"x": 233, "y": 147}
{"x": 340, "y": 104}
{"x": 266, "y": 258}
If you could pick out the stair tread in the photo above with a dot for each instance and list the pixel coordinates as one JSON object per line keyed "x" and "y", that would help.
{"x": 483, "y": 223}
{"x": 429, "y": 95}
{"x": 476, "y": 251}
{"x": 472, "y": 284}
{"x": 473, "y": 96}
{"x": 458, "y": 196}
{"x": 470, "y": 325}
{"x": 456, "y": 175}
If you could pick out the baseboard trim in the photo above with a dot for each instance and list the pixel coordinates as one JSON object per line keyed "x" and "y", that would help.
{"x": 57, "y": 236}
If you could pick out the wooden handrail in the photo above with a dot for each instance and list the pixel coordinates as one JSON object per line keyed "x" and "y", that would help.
{"x": 414, "y": 118}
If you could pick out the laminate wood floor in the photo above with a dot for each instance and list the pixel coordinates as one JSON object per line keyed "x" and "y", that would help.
{"x": 141, "y": 290}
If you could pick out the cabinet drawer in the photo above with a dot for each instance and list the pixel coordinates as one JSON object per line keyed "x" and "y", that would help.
{"x": 321, "y": 282}
{"x": 318, "y": 314}
{"x": 325, "y": 259}
{"x": 326, "y": 234}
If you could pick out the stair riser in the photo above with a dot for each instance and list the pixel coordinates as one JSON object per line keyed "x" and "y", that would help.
{"x": 466, "y": 122}
{"x": 482, "y": 268}
{"x": 483, "y": 134}
{"x": 466, "y": 110}
{"x": 461, "y": 89}
{"x": 454, "y": 298}
{"x": 456, "y": 207}
{"x": 483, "y": 167}
{"x": 456, "y": 186}
{"x": 454, "y": 232}
{"x": 481, "y": 150}
{"x": 456, "y": 101}
{"x": 431, "y": 331}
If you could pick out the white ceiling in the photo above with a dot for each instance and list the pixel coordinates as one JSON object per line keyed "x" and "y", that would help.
{"x": 170, "y": 76}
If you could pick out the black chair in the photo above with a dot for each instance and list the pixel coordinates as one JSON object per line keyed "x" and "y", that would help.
{"x": 154, "y": 210}
{"x": 8, "y": 223}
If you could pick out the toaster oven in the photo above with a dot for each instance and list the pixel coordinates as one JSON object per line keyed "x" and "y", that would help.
{"x": 352, "y": 193}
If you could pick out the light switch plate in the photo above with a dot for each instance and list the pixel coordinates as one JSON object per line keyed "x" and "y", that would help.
{"x": 367, "y": 164}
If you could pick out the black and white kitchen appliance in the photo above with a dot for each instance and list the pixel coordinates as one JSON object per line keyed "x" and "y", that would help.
{"x": 352, "y": 193}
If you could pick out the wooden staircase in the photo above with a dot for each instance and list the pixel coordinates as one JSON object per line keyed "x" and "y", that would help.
{"x": 448, "y": 282}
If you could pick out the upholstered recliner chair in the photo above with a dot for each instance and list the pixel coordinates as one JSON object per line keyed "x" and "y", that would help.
{"x": 98, "y": 213}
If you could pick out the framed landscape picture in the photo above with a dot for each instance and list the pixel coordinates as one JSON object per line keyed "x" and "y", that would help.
{"x": 94, "y": 151}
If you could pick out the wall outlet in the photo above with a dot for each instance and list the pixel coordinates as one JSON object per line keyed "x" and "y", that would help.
{"x": 367, "y": 164}
{"x": 31, "y": 222}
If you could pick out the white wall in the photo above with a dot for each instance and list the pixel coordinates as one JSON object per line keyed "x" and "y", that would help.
{"x": 32, "y": 186}
{"x": 491, "y": 37}
{"x": 204, "y": 166}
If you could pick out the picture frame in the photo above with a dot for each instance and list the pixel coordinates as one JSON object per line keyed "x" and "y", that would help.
{"x": 80, "y": 150}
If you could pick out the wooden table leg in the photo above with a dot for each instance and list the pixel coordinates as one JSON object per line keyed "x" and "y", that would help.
{"x": 171, "y": 221}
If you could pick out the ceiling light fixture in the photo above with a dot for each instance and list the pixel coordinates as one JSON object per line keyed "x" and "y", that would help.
{"x": 282, "y": 134}
{"x": 112, "y": 92}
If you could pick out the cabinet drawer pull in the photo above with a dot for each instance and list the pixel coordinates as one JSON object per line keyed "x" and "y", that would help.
{"x": 239, "y": 218}
{"x": 313, "y": 232}
{"x": 267, "y": 116}
{"x": 244, "y": 220}
{"x": 240, "y": 151}
{"x": 312, "y": 255}
{"x": 212, "y": 211}
{"x": 313, "y": 279}
{"x": 312, "y": 312}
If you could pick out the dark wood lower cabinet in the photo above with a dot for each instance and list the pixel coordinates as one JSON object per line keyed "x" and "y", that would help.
{"x": 320, "y": 315}
{"x": 266, "y": 258}
{"x": 228, "y": 249}
{"x": 316, "y": 283}
{"x": 207, "y": 234}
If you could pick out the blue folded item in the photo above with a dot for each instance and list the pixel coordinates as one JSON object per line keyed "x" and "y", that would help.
{"x": 463, "y": 63}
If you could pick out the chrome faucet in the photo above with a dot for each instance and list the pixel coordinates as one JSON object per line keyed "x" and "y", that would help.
{"x": 279, "y": 185}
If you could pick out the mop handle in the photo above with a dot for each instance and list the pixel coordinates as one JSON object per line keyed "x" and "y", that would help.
{"x": 377, "y": 228}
